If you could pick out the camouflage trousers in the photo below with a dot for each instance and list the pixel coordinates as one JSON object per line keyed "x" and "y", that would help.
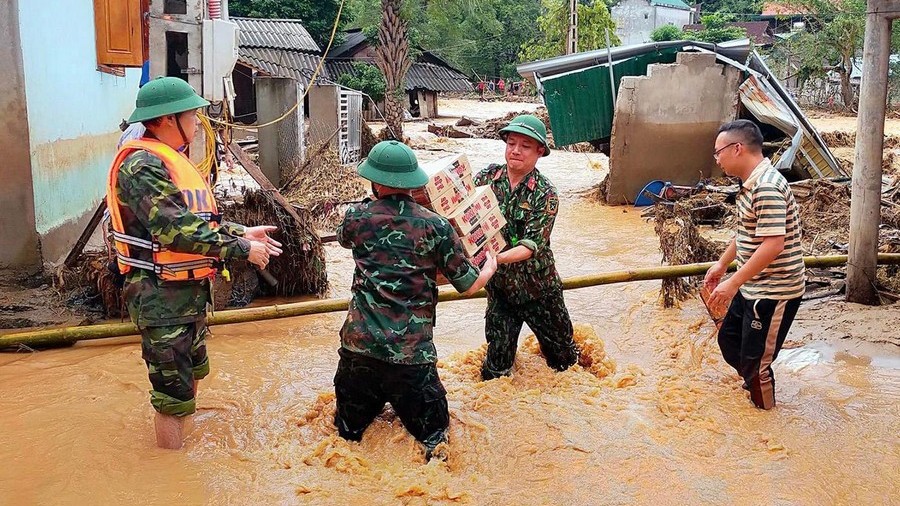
{"x": 175, "y": 357}
{"x": 547, "y": 317}
{"x": 363, "y": 384}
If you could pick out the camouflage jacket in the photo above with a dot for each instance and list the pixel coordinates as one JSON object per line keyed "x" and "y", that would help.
{"x": 530, "y": 211}
{"x": 153, "y": 207}
{"x": 398, "y": 247}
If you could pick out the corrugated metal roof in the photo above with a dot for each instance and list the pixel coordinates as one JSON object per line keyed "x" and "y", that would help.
{"x": 352, "y": 38}
{"x": 770, "y": 110}
{"x": 810, "y": 134}
{"x": 436, "y": 78}
{"x": 734, "y": 49}
{"x": 275, "y": 34}
{"x": 280, "y": 62}
{"x": 677, "y": 4}
{"x": 420, "y": 76}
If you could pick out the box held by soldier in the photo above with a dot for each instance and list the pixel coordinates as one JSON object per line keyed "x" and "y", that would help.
{"x": 449, "y": 183}
{"x": 481, "y": 204}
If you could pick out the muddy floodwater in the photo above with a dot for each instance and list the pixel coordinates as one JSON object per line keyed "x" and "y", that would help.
{"x": 652, "y": 416}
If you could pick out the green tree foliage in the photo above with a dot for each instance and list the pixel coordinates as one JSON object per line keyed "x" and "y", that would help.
{"x": 666, "y": 32}
{"x": 593, "y": 22}
{"x": 716, "y": 29}
{"x": 317, "y": 15}
{"x": 480, "y": 37}
{"x": 834, "y": 37}
{"x": 365, "y": 78}
{"x": 740, "y": 10}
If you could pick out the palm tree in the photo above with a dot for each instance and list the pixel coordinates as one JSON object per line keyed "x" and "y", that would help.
{"x": 392, "y": 57}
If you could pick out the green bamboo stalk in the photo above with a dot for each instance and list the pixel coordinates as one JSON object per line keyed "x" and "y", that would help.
{"x": 69, "y": 335}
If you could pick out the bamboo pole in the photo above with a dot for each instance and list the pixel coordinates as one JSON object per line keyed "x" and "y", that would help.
{"x": 69, "y": 335}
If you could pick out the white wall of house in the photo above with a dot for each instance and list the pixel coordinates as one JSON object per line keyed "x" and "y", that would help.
{"x": 636, "y": 19}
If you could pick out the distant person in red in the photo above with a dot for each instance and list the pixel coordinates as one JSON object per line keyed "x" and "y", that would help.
{"x": 501, "y": 86}
{"x": 481, "y": 89}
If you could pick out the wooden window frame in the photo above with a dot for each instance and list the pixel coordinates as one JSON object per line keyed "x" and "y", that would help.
{"x": 111, "y": 18}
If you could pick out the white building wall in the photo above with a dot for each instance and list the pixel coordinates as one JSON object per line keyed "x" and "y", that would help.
{"x": 636, "y": 20}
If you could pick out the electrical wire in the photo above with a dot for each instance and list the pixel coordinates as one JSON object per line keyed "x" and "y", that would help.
{"x": 293, "y": 108}
{"x": 209, "y": 149}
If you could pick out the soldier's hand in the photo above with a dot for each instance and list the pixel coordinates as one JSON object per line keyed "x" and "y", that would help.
{"x": 490, "y": 264}
{"x": 274, "y": 248}
{"x": 259, "y": 254}
{"x": 260, "y": 233}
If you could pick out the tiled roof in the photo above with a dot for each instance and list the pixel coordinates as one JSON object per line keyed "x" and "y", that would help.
{"x": 352, "y": 38}
{"x": 756, "y": 30}
{"x": 425, "y": 76}
{"x": 283, "y": 48}
{"x": 780, "y": 9}
{"x": 275, "y": 34}
{"x": 281, "y": 62}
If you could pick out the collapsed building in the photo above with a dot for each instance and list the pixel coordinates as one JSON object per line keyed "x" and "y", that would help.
{"x": 655, "y": 108}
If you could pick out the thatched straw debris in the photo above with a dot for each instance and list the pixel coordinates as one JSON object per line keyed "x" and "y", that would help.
{"x": 681, "y": 242}
{"x": 842, "y": 139}
{"x": 824, "y": 216}
{"x": 300, "y": 270}
{"x": 324, "y": 187}
{"x": 90, "y": 284}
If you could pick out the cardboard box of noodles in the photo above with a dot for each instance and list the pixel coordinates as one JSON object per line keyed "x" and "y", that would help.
{"x": 447, "y": 173}
{"x": 475, "y": 209}
{"x": 444, "y": 204}
{"x": 494, "y": 245}
{"x": 486, "y": 229}
{"x": 449, "y": 183}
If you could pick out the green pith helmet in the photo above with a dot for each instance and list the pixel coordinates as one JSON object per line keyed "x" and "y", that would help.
{"x": 163, "y": 96}
{"x": 529, "y": 125}
{"x": 393, "y": 164}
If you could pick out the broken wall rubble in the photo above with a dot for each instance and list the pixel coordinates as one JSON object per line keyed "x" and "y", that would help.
{"x": 666, "y": 122}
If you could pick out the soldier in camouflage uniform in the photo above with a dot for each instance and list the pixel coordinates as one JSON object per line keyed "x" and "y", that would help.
{"x": 527, "y": 287}
{"x": 171, "y": 315}
{"x": 387, "y": 353}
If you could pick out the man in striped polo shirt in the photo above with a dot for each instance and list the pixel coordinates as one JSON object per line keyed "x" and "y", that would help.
{"x": 765, "y": 291}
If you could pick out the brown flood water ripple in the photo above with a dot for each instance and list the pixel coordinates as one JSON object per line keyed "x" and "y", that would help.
{"x": 652, "y": 415}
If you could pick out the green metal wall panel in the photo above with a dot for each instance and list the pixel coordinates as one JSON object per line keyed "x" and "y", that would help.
{"x": 580, "y": 103}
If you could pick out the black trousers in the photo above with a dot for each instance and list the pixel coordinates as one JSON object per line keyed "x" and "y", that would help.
{"x": 751, "y": 337}
{"x": 363, "y": 384}
{"x": 547, "y": 317}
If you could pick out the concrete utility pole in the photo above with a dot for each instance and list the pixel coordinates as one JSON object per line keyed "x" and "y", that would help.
{"x": 572, "y": 35}
{"x": 865, "y": 205}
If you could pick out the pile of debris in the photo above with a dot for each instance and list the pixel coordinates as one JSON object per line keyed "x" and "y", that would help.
{"x": 324, "y": 188}
{"x": 683, "y": 222}
{"x": 842, "y": 145}
{"x": 91, "y": 285}
{"x": 698, "y": 224}
{"x": 300, "y": 270}
{"x": 467, "y": 128}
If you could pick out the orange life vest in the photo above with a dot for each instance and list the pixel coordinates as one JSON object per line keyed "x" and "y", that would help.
{"x": 168, "y": 265}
